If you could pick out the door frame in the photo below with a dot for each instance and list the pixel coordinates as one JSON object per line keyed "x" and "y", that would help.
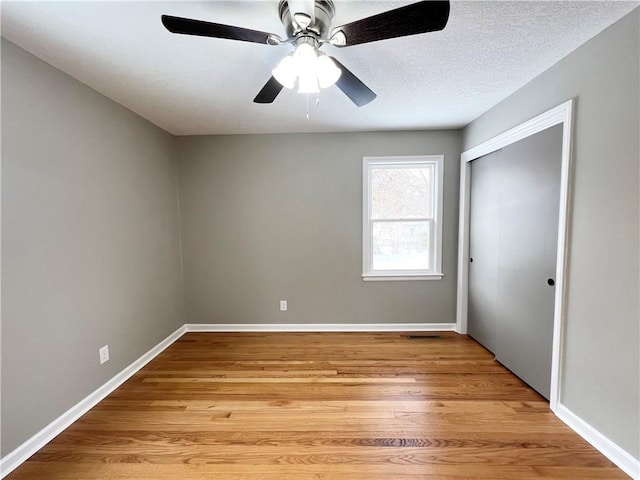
{"x": 560, "y": 115}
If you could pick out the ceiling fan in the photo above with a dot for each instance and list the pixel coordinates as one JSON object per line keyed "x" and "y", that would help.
{"x": 307, "y": 24}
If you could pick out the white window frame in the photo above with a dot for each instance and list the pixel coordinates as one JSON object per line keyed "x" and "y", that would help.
{"x": 435, "y": 273}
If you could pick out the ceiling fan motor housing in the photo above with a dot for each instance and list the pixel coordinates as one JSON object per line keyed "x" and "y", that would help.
{"x": 323, "y": 10}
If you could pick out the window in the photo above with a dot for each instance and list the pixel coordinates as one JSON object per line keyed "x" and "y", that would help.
{"x": 402, "y": 218}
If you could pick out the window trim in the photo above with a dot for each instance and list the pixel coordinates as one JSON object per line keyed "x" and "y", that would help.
{"x": 401, "y": 161}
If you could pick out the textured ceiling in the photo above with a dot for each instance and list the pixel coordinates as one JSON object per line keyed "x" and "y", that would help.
{"x": 193, "y": 85}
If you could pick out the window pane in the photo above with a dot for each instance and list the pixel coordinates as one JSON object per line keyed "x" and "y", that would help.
{"x": 402, "y": 192}
{"x": 401, "y": 245}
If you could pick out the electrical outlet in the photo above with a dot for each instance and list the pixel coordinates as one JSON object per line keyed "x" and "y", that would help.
{"x": 283, "y": 305}
{"x": 104, "y": 354}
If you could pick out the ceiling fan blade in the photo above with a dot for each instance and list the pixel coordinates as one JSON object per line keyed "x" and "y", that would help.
{"x": 188, "y": 26}
{"x": 269, "y": 92}
{"x": 421, "y": 17}
{"x": 353, "y": 87}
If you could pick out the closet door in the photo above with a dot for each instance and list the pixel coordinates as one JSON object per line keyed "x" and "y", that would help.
{"x": 484, "y": 248}
{"x": 523, "y": 245}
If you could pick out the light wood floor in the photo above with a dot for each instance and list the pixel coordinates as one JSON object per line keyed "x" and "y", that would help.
{"x": 320, "y": 406}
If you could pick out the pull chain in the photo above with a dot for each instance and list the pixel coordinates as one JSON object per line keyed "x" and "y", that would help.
{"x": 317, "y": 103}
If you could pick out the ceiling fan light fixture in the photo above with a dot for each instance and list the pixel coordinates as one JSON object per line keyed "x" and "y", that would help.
{"x": 312, "y": 69}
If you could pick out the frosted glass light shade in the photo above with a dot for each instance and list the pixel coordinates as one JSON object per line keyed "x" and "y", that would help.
{"x": 327, "y": 71}
{"x": 286, "y": 72}
{"x": 305, "y": 56}
{"x": 308, "y": 82}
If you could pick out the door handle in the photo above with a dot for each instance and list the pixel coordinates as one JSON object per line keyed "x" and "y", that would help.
{"x": 551, "y": 282}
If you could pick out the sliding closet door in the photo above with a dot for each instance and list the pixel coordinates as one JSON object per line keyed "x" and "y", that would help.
{"x": 484, "y": 247}
{"x": 523, "y": 247}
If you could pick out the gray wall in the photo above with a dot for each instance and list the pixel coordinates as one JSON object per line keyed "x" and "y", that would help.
{"x": 271, "y": 217}
{"x": 90, "y": 241}
{"x": 601, "y": 361}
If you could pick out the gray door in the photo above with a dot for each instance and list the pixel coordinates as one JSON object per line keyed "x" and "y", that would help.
{"x": 484, "y": 238}
{"x": 515, "y": 196}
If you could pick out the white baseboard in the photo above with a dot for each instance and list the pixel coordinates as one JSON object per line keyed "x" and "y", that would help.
{"x": 14, "y": 459}
{"x": 320, "y": 327}
{"x": 624, "y": 460}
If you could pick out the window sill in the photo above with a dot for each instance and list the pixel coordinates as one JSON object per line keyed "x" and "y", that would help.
{"x": 376, "y": 277}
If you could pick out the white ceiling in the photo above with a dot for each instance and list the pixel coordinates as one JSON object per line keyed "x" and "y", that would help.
{"x": 193, "y": 85}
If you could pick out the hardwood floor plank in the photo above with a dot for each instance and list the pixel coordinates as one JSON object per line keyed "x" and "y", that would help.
{"x": 309, "y": 406}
